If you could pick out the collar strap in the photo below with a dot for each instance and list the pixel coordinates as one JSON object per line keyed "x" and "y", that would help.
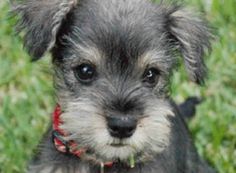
{"x": 68, "y": 147}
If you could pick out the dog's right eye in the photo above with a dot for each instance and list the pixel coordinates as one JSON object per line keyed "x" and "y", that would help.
{"x": 85, "y": 73}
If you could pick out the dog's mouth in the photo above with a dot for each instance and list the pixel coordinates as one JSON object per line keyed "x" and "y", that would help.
{"x": 118, "y": 145}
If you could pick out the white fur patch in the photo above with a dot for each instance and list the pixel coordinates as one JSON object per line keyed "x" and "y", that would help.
{"x": 86, "y": 124}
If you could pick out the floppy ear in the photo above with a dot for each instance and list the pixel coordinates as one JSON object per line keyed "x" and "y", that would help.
{"x": 192, "y": 36}
{"x": 41, "y": 20}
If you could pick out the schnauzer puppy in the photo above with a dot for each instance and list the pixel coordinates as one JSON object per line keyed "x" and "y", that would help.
{"x": 113, "y": 60}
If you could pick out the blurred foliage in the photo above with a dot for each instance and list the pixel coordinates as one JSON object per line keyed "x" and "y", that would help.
{"x": 26, "y": 93}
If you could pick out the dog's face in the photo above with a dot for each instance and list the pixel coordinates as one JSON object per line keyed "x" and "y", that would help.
{"x": 113, "y": 61}
{"x": 113, "y": 101}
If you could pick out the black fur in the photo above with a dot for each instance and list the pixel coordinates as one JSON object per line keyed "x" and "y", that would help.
{"x": 188, "y": 107}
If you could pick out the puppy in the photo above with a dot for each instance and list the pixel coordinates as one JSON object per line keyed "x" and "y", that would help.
{"x": 113, "y": 61}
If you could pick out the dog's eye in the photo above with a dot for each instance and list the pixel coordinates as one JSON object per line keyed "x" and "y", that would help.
{"x": 151, "y": 76}
{"x": 85, "y": 72}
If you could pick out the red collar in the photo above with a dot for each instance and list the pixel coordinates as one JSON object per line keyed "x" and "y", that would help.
{"x": 67, "y": 147}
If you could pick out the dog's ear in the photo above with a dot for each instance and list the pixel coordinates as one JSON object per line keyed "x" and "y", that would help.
{"x": 192, "y": 37}
{"x": 41, "y": 20}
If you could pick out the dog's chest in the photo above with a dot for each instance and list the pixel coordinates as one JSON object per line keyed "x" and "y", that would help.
{"x": 85, "y": 169}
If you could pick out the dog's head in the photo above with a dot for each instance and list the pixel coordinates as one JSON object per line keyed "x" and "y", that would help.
{"x": 113, "y": 60}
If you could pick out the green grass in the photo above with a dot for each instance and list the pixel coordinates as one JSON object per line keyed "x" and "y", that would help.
{"x": 26, "y": 94}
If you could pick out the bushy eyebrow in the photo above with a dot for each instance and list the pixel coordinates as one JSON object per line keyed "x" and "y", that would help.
{"x": 157, "y": 59}
{"x": 85, "y": 52}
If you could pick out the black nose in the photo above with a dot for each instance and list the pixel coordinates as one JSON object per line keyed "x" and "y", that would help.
{"x": 121, "y": 127}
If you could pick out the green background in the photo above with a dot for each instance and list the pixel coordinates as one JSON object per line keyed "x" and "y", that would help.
{"x": 27, "y": 98}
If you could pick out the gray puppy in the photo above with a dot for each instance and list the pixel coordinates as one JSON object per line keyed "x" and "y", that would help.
{"x": 113, "y": 61}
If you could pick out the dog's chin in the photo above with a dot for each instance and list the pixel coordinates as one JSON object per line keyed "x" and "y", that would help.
{"x": 117, "y": 152}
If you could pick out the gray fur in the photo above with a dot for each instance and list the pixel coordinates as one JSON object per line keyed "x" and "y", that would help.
{"x": 192, "y": 35}
{"x": 41, "y": 21}
{"x": 121, "y": 39}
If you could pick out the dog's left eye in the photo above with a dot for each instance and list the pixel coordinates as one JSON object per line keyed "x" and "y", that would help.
{"x": 85, "y": 72}
{"x": 151, "y": 76}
